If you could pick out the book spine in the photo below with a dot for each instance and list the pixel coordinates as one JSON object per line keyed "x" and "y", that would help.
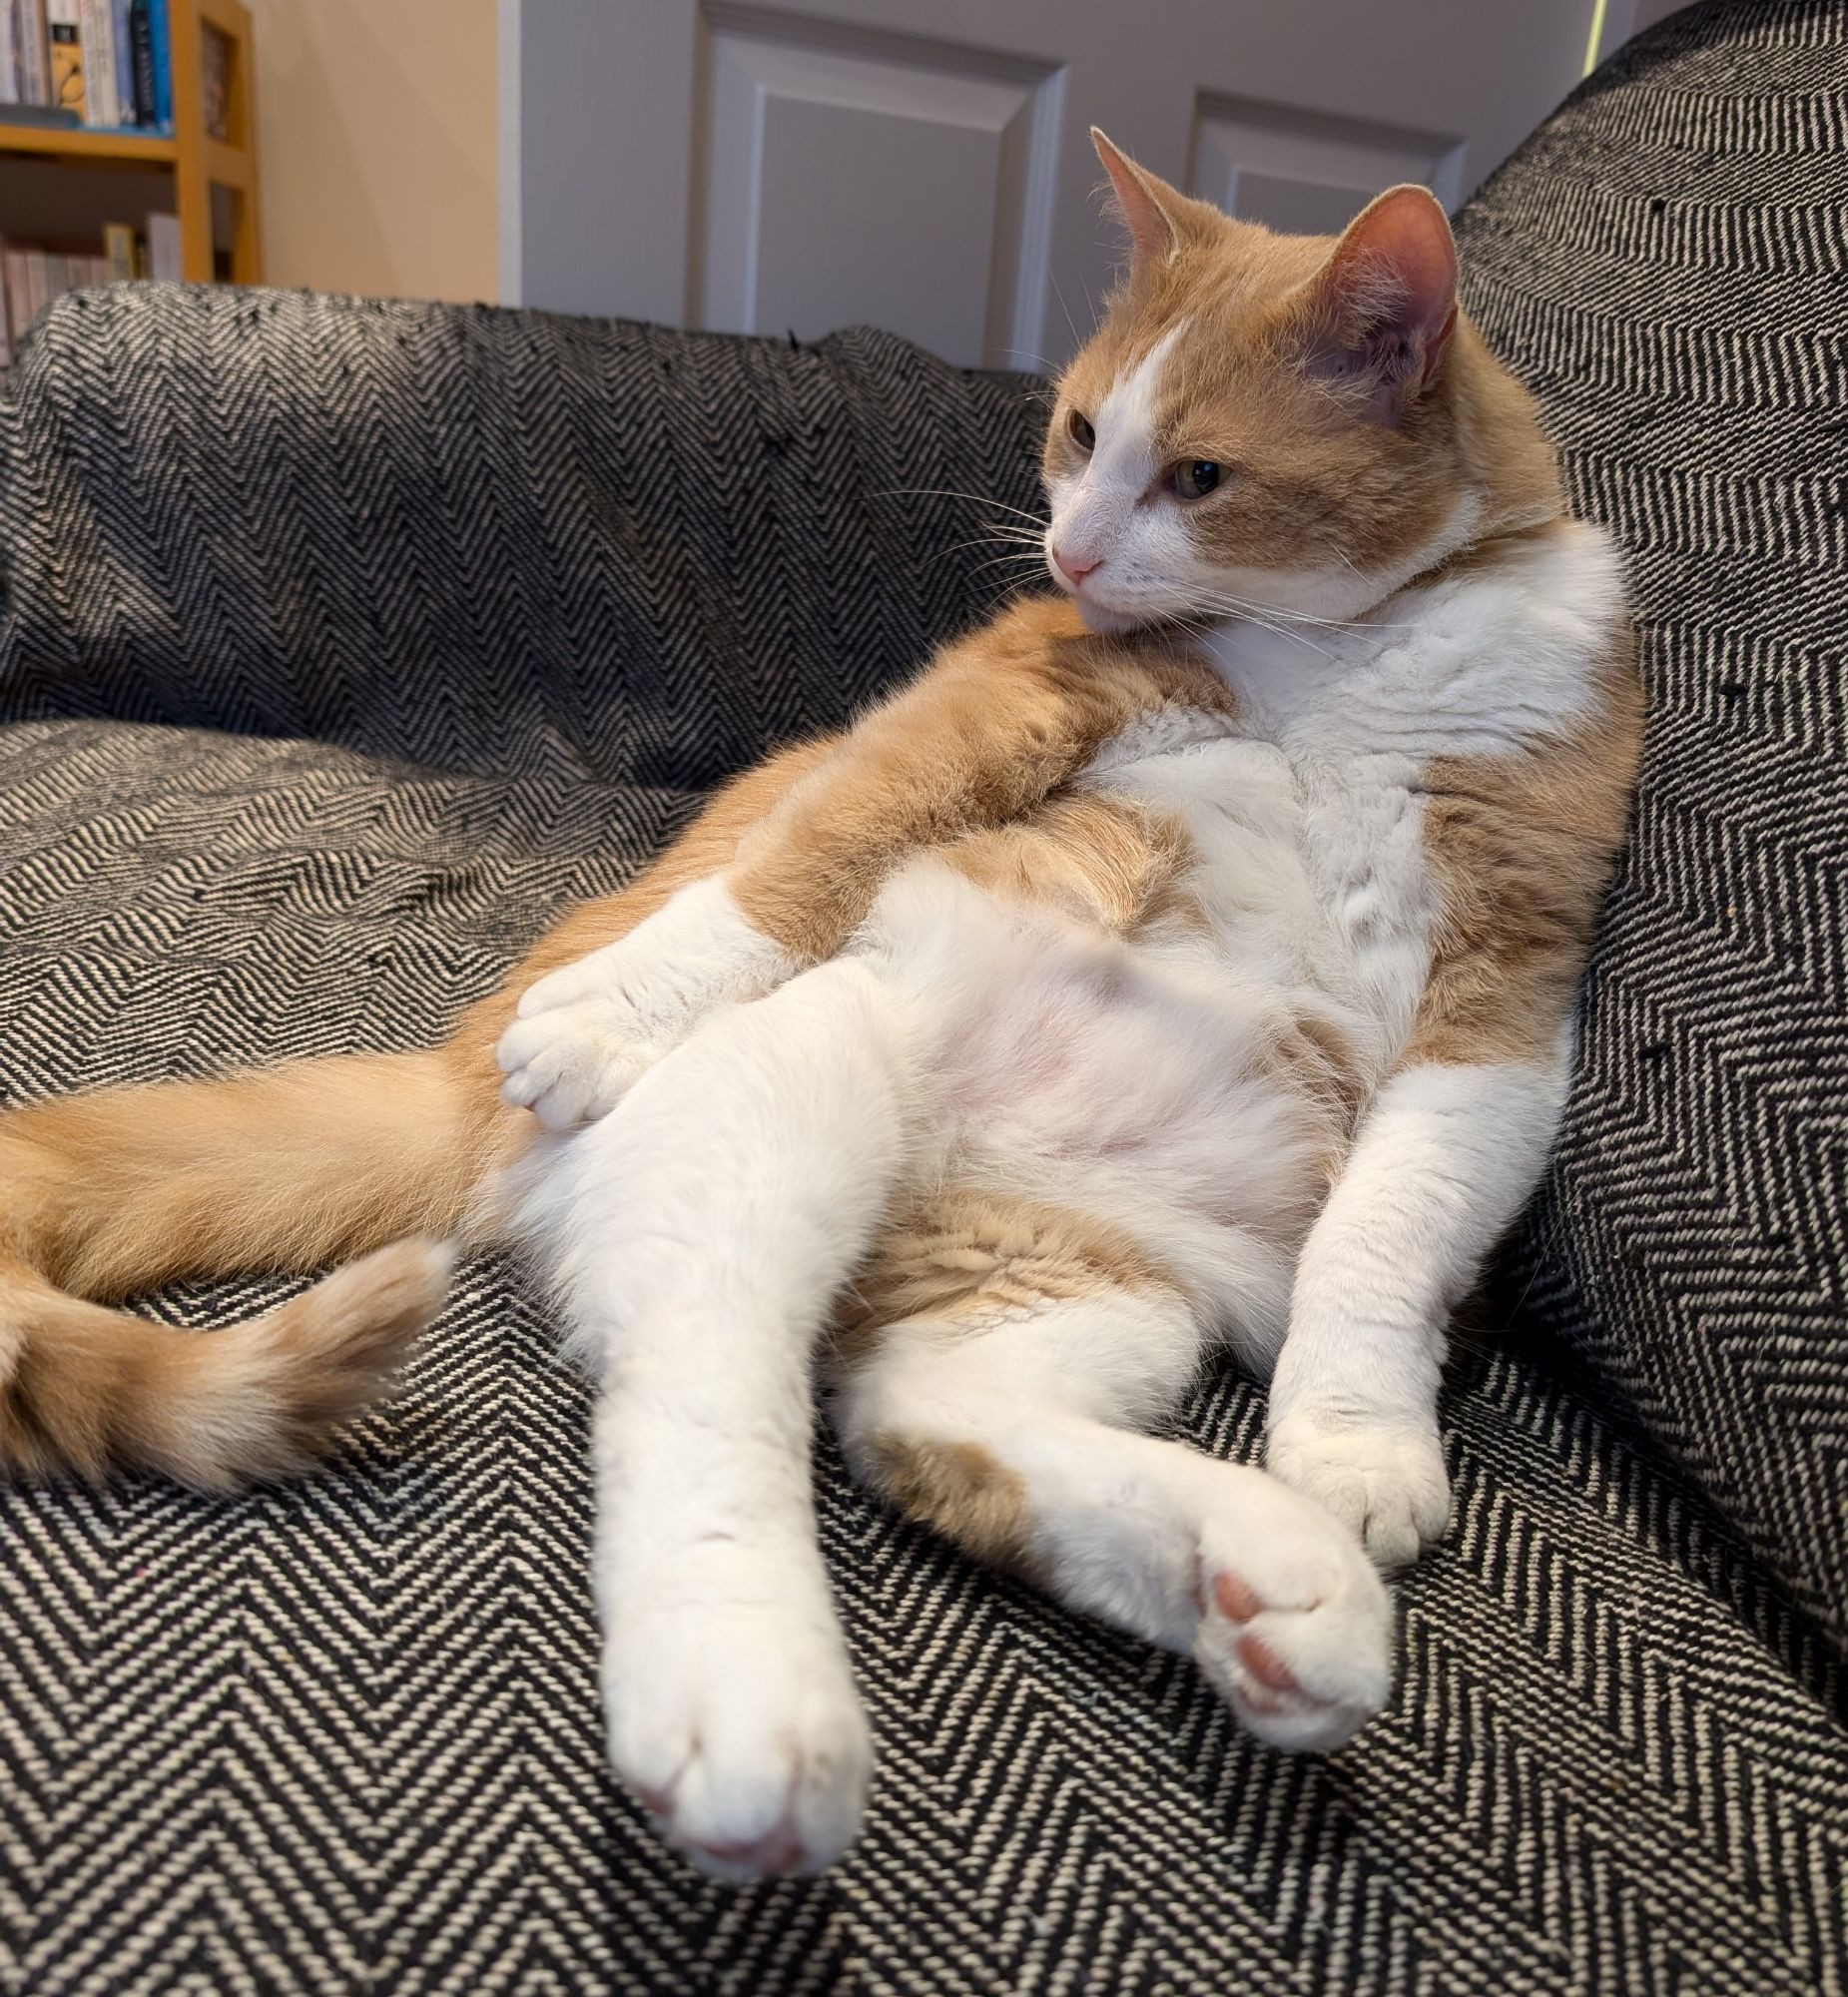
{"x": 34, "y": 57}
{"x": 119, "y": 251}
{"x": 124, "y": 63}
{"x": 98, "y": 39}
{"x": 67, "y": 55}
{"x": 6, "y": 316}
{"x": 164, "y": 258}
{"x": 160, "y": 29}
{"x": 9, "y": 53}
{"x": 18, "y": 295}
{"x": 141, "y": 49}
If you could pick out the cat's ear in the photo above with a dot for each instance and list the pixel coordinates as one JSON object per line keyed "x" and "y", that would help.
{"x": 1151, "y": 209}
{"x": 1381, "y": 311}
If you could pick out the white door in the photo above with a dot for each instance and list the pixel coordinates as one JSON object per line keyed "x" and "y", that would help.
{"x": 924, "y": 165}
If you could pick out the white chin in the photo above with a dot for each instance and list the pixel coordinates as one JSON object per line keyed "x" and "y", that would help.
{"x": 1100, "y": 617}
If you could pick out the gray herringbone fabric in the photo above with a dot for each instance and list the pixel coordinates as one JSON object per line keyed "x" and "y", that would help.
{"x": 347, "y": 643}
{"x": 1666, "y": 264}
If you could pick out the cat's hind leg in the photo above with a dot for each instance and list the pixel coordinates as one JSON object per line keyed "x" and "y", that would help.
{"x": 698, "y": 1238}
{"x": 1006, "y": 1414}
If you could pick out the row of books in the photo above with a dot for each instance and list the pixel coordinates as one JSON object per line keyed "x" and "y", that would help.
{"x": 34, "y": 277}
{"x": 101, "y": 62}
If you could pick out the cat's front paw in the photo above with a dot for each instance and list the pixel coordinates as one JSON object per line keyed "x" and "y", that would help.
{"x": 587, "y": 1033}
{"x": 742, "y": 1734}
{"x": 1386, "y": 1484}
{"x": 574, "y": 1063}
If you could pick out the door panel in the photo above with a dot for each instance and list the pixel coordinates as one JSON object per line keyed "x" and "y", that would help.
{"x": 925, "y": 164}
{"x": 856, "y": 176}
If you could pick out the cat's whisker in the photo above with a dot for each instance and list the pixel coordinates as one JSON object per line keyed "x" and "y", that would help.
{"x": 1222, "y": 600}
{"x": 949, "y": 492}
{"x": 1017, "y": 537}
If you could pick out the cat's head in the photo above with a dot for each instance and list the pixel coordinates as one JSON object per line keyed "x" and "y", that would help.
{"x": 1292, "y": 422}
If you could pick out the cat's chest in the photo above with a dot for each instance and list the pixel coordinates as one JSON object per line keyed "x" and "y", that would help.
{"x": 1329, "y": 842}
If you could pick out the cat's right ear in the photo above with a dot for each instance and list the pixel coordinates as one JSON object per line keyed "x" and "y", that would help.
{"x": 1151, "y": 209}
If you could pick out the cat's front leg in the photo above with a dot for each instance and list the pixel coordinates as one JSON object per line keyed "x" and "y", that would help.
{"x": 1440, "y": 1168}
{"x": 586, "y": 1034}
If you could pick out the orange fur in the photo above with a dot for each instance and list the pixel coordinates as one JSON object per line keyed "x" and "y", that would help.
{"x": 1522, "y": 851}
{"x": 1306, "y": 483}
{"x": 998, "y": 722}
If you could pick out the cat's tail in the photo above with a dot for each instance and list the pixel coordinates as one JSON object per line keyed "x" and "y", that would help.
{"x": 104, "y": 1196}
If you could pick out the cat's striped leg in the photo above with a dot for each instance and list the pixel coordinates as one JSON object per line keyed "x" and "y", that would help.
{"x": 1005, "y": 1417}
{"x": 699, "y": 1235}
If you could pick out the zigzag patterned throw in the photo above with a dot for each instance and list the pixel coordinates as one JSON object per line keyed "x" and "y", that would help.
{"x": 347, "y": 643}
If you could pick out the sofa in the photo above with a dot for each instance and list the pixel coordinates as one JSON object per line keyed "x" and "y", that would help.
{"x": 346, "y": 643}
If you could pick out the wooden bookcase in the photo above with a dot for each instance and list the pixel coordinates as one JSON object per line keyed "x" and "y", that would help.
{"x": 197, "y": 162}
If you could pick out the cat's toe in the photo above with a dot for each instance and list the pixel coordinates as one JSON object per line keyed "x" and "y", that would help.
{"x": 1295, "y": 1630}
{"x": 566, "y": 1066}
{"x": 1386, "y": 1485}
{"x": 748, "y": 1749}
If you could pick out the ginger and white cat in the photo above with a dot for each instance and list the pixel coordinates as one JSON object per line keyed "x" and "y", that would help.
{"x": 1181, "y": 963}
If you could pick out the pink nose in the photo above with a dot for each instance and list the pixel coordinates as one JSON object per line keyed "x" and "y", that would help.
{"x": 1075, "y": 572}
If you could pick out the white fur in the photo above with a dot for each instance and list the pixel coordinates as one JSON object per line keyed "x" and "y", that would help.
{"x": 697, "y": 1236}
{"x": 1111, "y": 515}
{"x": 700, "y": 1233}
{"x": 587, "y": 1032}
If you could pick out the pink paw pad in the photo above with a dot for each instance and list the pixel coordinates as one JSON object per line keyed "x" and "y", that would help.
{"x": 1237, "y": 1599}
{"x": 1273, "y": 1682}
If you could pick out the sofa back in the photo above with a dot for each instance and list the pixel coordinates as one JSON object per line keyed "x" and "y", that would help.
{"x": 487, "y": 539}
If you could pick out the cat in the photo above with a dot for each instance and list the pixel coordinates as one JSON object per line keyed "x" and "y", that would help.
{"x": 1185, "y": 962}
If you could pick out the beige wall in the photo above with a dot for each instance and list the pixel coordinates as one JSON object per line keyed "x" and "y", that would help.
{"x": 376, "y": 144}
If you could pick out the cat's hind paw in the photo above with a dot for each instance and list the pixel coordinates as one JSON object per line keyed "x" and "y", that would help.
{"x": 1295, "y": 1628}
{"x": 746, "y": 1743}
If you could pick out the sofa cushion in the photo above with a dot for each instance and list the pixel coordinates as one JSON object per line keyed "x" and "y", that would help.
{"x": 1664, "y": 263}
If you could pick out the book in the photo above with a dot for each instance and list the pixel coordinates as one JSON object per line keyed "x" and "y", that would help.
{"x": 141, "y": 55}
{"x": 6, "y": 318}
{"x": 166, "y": 260}
{"x": 161, "y": 38}
{"x": 95, "y": 38}
{"x": 119, "y": 251}
{"x": 9, "y": 53}
{"x": 124, "y": 63}
{"x": 34, "y": 53}
{"x": 67, "y": 55}
{"x": 18, "y": 293}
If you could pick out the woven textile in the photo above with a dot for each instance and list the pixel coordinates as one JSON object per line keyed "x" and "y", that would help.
{"x": 1666, "y": 264}
{"x": 345, "y": 645}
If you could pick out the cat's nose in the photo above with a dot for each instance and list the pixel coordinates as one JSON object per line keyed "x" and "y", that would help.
{"x": 1071, "y": 568}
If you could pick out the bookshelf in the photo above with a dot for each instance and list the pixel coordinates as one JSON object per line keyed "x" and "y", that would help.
{"x": 196, "y": 163}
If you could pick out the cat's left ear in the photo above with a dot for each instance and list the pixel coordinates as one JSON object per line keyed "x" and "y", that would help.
{"x": 1382, "y": 309}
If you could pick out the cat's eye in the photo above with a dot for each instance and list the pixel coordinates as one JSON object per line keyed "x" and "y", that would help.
{"x": 1082, "y": 434}
{"x": 1195, "y": 477}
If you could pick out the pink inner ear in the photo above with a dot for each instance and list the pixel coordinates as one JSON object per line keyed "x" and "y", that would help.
{"x": 1387, "y": 300}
